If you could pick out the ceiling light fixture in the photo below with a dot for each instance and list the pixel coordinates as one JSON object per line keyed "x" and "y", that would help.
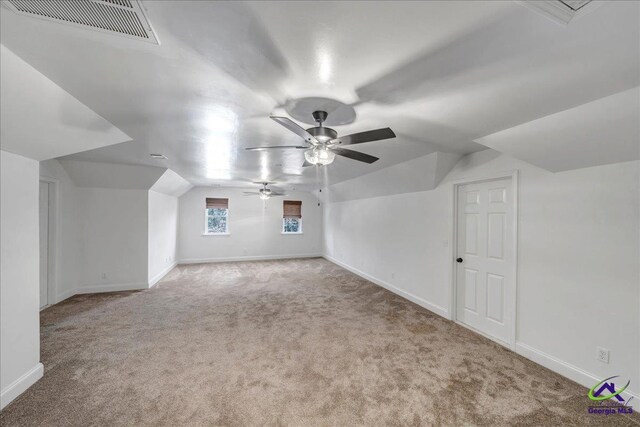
{"x": 264, "y": 193}
{"x": 323, "y": 143}
{"x": 158, "y": 156}
{"x": 320, "y": 156}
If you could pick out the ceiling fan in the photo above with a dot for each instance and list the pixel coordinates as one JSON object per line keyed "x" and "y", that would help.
{"x": 323, "y": 143}
{"x": 264, "y": 193}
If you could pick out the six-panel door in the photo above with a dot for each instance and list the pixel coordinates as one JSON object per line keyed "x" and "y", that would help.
{"x": 484, "y": 283}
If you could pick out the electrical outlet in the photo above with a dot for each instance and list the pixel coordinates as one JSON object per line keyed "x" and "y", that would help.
{"x": 602, "y": 354}
{"x": 104, "y": 275}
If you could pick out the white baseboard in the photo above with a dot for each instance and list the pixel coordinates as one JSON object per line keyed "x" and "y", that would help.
{"x": 20, "y": 385}
{"x": 441, "y": 311}
{"x": 155, "y": 279}
{"x": 66, "y": 294}
{"x": 112, "y": 287}
{"x": 563, "y": 368}
{"x": 247, "y": 258}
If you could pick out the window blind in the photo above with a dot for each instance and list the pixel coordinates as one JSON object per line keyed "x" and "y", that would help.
{"x": 292, "y": 209}
{"x": 213, "y": 203}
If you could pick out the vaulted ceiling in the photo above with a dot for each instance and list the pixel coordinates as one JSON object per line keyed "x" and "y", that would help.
{"x": 444, "y": 75}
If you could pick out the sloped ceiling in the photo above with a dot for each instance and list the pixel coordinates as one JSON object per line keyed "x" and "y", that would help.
{"x": 112, "y": 175}
{"x": 172, "y": 184}
{"x": 596, "y": 133}
{"x": 441, "y": 74}
{"x": 42, "y": 121}
{"x": 420, "y": 174}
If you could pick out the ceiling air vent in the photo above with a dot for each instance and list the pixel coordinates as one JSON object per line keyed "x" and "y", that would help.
{"x": 123, "y": 17}
{"x": 575, "y": 4}
{"x": 561, "y": 11}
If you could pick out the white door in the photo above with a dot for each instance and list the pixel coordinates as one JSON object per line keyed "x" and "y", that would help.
{"x": 485, "y": 254}
{"x": 44, "y": 243}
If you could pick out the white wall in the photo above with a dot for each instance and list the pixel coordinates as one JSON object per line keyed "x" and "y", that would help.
{"x": 254, "y": 225}
{"x": 69, "y": 247}
{"x": 115, "y": 226}
{"x": 163, "y": 234}
{"x": 578, "y": 249}
{"x": 94, "y": 223}
{"x": 20, "y": 363}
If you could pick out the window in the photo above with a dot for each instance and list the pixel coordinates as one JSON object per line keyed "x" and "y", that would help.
{"x": 216, "y": 216}
{"x": 292, "y": 225}
{"x": 292, "y": 217}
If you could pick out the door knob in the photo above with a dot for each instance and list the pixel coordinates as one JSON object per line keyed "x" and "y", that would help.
{"x": 459, "y": 260}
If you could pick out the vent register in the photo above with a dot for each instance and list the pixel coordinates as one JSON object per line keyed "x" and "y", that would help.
{"x": 575, "y": 5}
{"x": 123, "y": 17}
{"x": 561, "y": 11}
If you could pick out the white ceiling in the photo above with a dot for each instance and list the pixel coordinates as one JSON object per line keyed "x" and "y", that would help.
{"x": 396, "y": 179}
{"x": 597, "y": 133}
{"x": 43, "y": 130}
{"x": 172, "y": 184}
{"x": 112, "y": 175}
{"x": 441, "y": 74}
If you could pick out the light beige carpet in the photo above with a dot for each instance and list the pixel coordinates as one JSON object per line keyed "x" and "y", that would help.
{"x": 299, "y": 342}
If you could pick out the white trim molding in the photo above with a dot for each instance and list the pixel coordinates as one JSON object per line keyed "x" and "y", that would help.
{"x": 112, "y": 287}
{"x": 20, "y": 385}
{"x": 53, "y": 230}
{"x": 434, "y": 308}
{"x": 247, "y": 258}
{"x": 563, "y": 368}
{"x": 66, "y": 294}
{"x": 155, "y": 279}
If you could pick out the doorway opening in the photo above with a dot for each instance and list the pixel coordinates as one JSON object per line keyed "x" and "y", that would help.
{"x": 47, "y": 225}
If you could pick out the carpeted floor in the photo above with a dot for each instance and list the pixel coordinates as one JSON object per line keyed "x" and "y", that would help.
{"x": 297, "y": 342}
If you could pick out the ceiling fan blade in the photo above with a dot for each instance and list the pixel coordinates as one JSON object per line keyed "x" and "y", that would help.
{"x": 305, "y": 164}
{"x": 367, "y": 136}
{"x": 295, "y": 128}
{"x": 278, "y": 194}
{"x": 355, "y": 155}
{"x": 298, "y": 147}
{"x": 246, "y": 193}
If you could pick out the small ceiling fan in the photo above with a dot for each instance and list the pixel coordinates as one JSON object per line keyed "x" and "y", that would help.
{"x": 264, "y": 193}
{"x": 323, "y": 143}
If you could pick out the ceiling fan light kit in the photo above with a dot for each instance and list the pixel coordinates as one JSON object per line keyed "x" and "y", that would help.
{"x": 264, "y": 193}
{"x": 319, "y": 156}
{"x": 323, "y": 142}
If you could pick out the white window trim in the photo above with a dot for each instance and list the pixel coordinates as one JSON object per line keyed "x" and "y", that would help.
{"x": 301, "y": 231}
{"x": 206, "y": 225}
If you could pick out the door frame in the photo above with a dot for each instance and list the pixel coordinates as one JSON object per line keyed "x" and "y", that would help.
{"x": 52, "y": 284}
{"x": 510, "y": 304}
